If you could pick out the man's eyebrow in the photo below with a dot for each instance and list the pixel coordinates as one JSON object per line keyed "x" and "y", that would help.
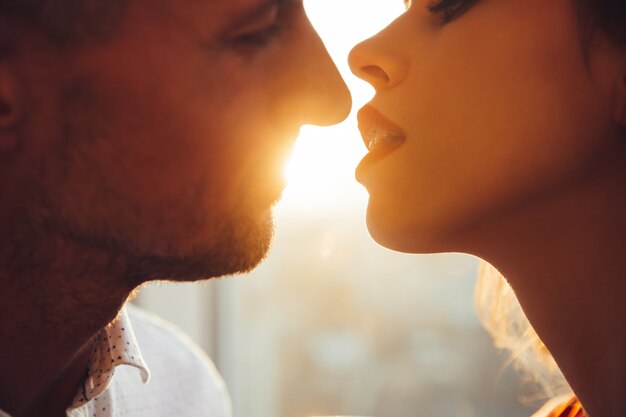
{"x": 258, "y": 10}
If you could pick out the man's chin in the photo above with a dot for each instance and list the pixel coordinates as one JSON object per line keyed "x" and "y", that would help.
{"x": 239, "y": 249}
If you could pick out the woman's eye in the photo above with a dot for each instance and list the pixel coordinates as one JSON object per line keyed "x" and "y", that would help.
{"x": 449, "y": 9}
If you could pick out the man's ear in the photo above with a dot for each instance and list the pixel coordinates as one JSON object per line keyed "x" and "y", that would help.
{"x": 10, "y": 108}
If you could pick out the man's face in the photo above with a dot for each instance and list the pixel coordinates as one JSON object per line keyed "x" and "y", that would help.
{"x": 168, "y": 140}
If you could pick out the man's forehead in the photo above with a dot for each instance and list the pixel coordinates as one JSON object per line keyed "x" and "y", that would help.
{"x": 216, "y": 11}
{"x": 244, "y": 9}
{"x": 226, "y": 8}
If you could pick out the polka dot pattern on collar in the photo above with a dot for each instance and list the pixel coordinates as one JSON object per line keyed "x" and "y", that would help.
{"x": 115, "y": 345}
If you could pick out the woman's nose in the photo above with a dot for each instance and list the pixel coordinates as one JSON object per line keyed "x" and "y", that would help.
{"x": 378, "y": 64}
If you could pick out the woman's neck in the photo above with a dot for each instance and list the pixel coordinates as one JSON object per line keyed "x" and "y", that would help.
{"x": 569, "y": 273}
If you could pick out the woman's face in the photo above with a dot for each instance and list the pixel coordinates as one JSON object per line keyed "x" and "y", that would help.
{"x": 479, "y": 113}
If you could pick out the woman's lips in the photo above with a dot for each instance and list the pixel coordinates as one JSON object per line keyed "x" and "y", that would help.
{"x": 378, "y": 139}
{"x": 380, "y": 135}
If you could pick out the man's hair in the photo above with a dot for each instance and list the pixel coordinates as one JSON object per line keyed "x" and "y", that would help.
{"x": 67, "y": 22}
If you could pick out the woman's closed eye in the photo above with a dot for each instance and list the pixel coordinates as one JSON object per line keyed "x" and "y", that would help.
{"x": 449, "y": 9}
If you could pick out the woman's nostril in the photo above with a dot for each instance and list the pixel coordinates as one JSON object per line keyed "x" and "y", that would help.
{"x": 375, "y": 72}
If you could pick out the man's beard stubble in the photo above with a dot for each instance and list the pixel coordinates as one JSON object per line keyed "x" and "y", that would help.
{"x": 66, "y": 269}
{"x": 239, "y": 240}
{"x": 241, "y": 244}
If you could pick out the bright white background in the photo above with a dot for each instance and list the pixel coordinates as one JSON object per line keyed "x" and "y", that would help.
{"x": 332, "y": 323}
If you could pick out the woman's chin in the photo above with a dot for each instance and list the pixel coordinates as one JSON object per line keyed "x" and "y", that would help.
{"x": 400, "y": 236}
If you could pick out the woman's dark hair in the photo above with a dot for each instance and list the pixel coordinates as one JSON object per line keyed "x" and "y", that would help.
{"x": 608, "y": 16}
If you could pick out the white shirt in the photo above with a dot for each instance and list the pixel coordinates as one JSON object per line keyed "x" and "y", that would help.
{"x": 181, "y": 381}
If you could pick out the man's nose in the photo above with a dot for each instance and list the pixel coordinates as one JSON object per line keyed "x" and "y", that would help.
{"x": 377, "y": 63}
{"x": 320, "y": 96}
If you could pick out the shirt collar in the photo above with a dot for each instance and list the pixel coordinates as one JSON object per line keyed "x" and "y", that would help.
{"x": 115, "y": 345}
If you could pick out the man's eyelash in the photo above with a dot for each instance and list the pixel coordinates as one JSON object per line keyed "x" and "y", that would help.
{"x": 261, "y": 37}
{"x": 253, "y": 41}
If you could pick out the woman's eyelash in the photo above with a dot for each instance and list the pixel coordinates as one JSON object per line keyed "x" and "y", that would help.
{"x": 449, "y": 9}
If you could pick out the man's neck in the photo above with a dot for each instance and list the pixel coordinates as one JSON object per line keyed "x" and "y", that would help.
{"x": 48, "y": 319}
